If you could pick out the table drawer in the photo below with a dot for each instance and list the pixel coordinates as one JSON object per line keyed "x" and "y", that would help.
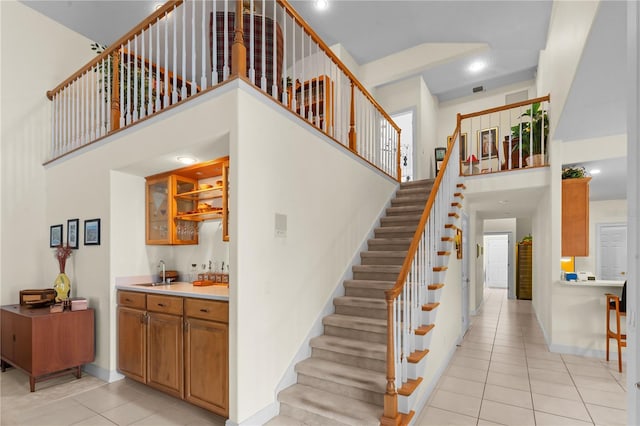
{"x": 213, "y": 310}
{"x": 132, "y": 299}
{"x": 165, "y": 304}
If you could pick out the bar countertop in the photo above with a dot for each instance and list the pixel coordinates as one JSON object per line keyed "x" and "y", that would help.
{"x": 183, "y": 289}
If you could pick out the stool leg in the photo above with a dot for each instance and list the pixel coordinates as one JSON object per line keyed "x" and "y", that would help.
{"x": 618, "y": 335}
{"x": 607, "y": 334}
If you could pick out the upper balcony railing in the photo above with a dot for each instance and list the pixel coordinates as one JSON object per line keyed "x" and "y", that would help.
{"x": 523, "y": 127}
{"x": 188, "y": 47}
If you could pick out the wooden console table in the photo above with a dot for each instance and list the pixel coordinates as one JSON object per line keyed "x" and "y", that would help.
{"x": 44, "y": 344}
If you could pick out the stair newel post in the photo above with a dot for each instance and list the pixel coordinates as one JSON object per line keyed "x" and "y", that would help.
{"x": 352, "y": 120}
{"x": 239, "y": 50}
{"x": 115, "y": 90}
{"x": 390, "y": 415}
{"x": 398, "y": 157}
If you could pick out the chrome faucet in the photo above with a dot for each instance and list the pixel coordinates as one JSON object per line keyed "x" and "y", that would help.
{"x": 164, "y": 273}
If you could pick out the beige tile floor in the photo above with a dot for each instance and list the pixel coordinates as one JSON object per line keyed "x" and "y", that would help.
{"x": 91, "y": 402}
{"x": 503, "y": 374}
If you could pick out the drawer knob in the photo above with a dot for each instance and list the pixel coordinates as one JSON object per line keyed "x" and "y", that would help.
{"x": 127, "y": 300}
{"x": 206, "y": 311}
{"x": 161, "y": 305}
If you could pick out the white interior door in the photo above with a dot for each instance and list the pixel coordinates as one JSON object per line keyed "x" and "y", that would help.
{"x": 496, "y": 260}
{"x": 611, "y": 254}
{"x": 404, "y": 120}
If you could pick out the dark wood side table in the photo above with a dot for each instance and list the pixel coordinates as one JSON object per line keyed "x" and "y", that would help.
{"x": 44, "y": 344}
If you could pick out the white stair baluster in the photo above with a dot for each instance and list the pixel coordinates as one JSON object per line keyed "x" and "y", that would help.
{"x": 157, "y": 65}
{"x": 203, "y": 78}
{"x": 174, "y": 91}
{"x": 275, "y": 74}
{"x": 193, "y": 49}
{"x": 252, "y": 38}
{"x": 183, "y": 88}
{"x": 166, "y": 98}
{"x": 143, "y": 82}
{"x": 263, "y": 52}
{"x": 225, "y": 62}
{"x": 135, "y": 77}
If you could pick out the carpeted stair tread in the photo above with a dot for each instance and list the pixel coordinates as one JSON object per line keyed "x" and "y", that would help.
{"x": 418, "y": 190}
{"x": 344, "y": 374}
{"x": 404, "y": 210}
{"x": 376, "y": 351}
{"x": 414, "y": 183}
{"x": 377, "y": 268}
{"x": 336, "y": 409}
{"x": 360, "y": 302}
{"x": 372, "y": 284}
{"x": 409, "y": 230}
{"x": 409, "y": 220}
{"x": 371, "y": 325}
{"x": 388, "y": 244}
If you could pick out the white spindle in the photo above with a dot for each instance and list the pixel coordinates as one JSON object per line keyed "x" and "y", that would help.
{"x": 166, "y": 59}
{"x": 275, "y": 74}
{"x": 294, "y": 79}
{"x": 107, "y": 83}
{"x": 135, "y": 77}
{"x": 203, "y": 78}
{"x": 174, "y": 91}
{"x": 252, "y": 37}
{"x": 263, "y": 55}
{"x": 193, "y": 49}
{"x": 225, "y": 59}
{"x": 128, "y": 110}
{"x": 157, "y": 65}
{"x": 183, "y": 89}
{"x": 214, "y": 44}
{"x": 143, "y": 83}
{"x": 94, "y": 106}
{"x": 285, "y": 94}
{"x": 303, "y": 76}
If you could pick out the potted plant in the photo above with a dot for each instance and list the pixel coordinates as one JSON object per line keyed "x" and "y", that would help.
{"x": 531, "y": 132}
{"x": 574, "y": 173}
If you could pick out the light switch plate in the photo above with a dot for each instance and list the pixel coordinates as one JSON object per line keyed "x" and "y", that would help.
{"x": 281, "y": 225}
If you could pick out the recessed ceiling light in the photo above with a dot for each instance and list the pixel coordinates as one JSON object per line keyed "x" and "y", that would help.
{"x": 594, "y": 171}
{"x": 477, "y": 66}
{"x": 186, "y": 160}
{"x": 322, "y": 4}
{"x": 503, "y": 201}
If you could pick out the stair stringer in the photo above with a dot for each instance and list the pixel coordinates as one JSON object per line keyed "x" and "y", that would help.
{"x": 429, "y": 369}
{"x": 290, "y": 377}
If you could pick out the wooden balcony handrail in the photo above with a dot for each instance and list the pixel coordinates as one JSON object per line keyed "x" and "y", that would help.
{"x": 327, "y": 50}
{"x": 546, "y": 98}
{"x": 138, "y": 29}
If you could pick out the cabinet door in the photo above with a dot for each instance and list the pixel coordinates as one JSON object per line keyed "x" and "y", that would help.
{"x": 575, "y": 217}
{"x": 207, "y": 365}
{"x": 16, "y": 340}
{"x": 165, "y": 353}
{"x": 132, "y": 341}
{"x": 183, "y": 231}
{"x": 158, "y": 211}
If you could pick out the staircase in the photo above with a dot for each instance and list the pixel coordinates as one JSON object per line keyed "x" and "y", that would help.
{"x": 343, "y": 382}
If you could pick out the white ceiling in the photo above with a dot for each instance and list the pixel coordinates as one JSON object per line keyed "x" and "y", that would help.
{"x": 513, "y": 31}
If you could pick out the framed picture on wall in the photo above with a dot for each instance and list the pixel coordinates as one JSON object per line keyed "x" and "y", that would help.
{"x": 92, "y": 232}
{"x": 72, "y": 233}
{"x": 488, "y": 142}
{"x": 463, "y": 146}
{"x": 55, "y": 235}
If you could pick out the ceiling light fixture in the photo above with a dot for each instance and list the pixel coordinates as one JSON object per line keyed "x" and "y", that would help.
{"x": 477, "y": 66}
{"x": 322, "y": 4}
{"x": 186, "y": 160}
{"x": 594, "y": 171}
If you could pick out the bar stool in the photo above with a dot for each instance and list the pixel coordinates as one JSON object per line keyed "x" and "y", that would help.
{"x": 619, "y": 306}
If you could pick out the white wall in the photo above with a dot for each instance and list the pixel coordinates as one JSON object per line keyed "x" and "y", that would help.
{"x": 27, "y": 261}
{"x": 413, "y": 94}
{"x": 568, "y": 31}
{"x": 448, "y": 112}
{"x": 610, "y": 211}
{"x": 282, "y": 284}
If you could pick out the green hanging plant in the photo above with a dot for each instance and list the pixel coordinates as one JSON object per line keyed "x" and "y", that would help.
{"x": 574, "y": 173}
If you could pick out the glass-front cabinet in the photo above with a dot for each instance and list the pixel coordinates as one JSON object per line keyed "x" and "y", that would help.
{"x": 163, "y": 208}
{"x": 177, "y": 201}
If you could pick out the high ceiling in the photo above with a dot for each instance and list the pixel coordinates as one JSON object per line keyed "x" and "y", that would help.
{"x": 510, "y": 33}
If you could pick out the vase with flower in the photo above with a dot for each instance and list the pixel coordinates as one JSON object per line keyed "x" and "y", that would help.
{"x": 62, "y": 284}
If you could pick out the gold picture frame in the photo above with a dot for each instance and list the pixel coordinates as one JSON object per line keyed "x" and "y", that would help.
{"x": 488, "y": 142}
{"x": 463, "y": 145}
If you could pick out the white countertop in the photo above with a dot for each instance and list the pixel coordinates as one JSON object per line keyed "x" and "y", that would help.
{"x": 184, "y": 289}
{"x": 596, "y": 283}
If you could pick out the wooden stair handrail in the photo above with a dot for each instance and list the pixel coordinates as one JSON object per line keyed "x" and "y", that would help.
{"x": 413, "y": 247}
{"x": 327, "y": 50}
{"x": 546, "y": 98}
{"x": 154, "y": 17}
